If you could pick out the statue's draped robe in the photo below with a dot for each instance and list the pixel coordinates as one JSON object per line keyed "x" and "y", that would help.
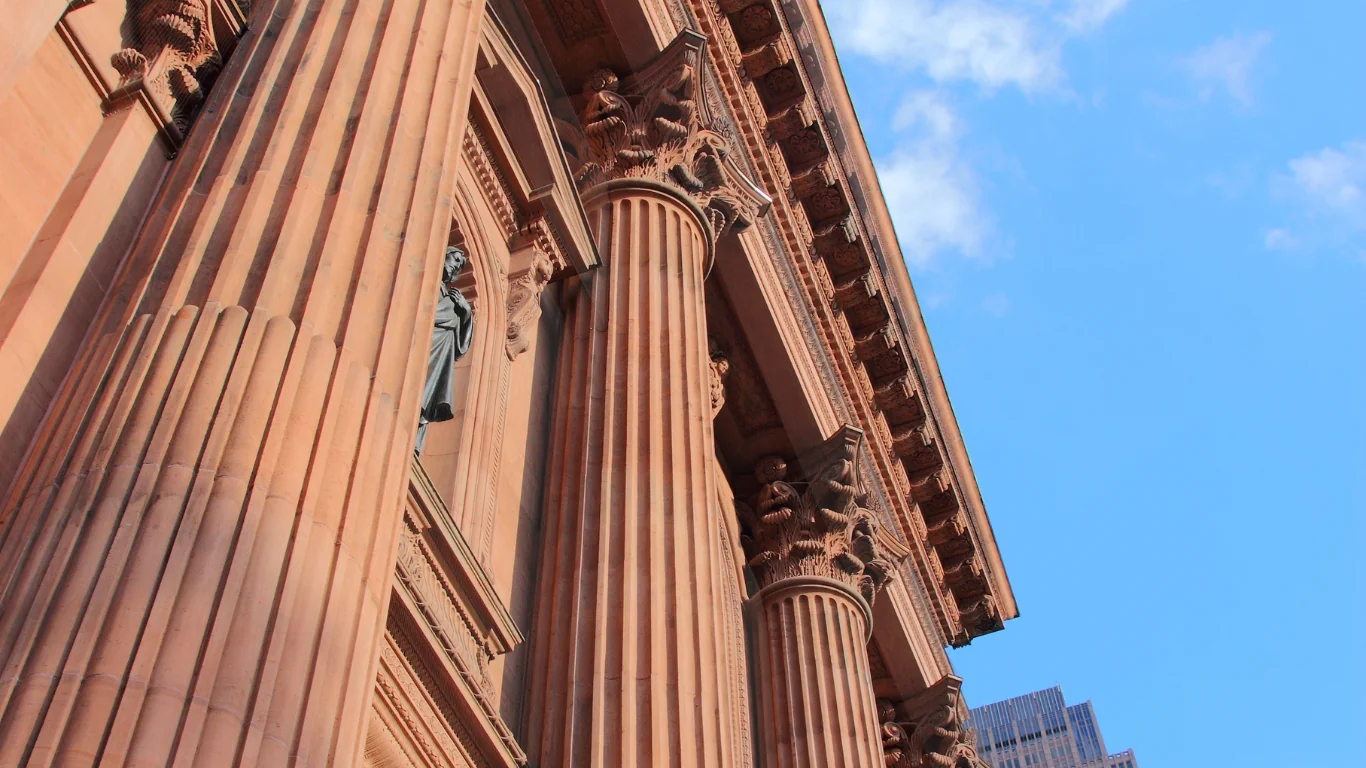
{"x": 452, "y": 333}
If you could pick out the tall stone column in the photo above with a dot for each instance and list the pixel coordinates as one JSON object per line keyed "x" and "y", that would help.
{"x": 815, "y": 555}
{"x": 630, "y": 664}
{"x": 195, "y": 562}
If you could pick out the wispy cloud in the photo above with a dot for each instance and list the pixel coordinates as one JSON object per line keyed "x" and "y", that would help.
{"x": 1226, "y": 65}
{"x": 931, "y": 192}
{"x": 1332, "y": 180}
{"x": 1328, "y": 187}
{"x": 997, "y": 304}
{"x": 987, "y": 44}
{"x": 1280, "y": 239}
{"x": 931, "y": 188}
{"x": 1012, "y": 43}
{"x": 1086, "y": 15}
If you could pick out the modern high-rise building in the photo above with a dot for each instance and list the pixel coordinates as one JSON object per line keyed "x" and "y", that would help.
{"x": 1039, "y": 729}
{"x": 1123, "y": 759}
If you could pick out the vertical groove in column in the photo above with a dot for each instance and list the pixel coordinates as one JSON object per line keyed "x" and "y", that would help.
{"x": 814, "y": 689}
{"x": 628, "y": 518}
{"x": 196, "y": 558}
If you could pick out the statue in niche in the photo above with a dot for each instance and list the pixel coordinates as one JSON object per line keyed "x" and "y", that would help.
{"x": 452, "y": 333}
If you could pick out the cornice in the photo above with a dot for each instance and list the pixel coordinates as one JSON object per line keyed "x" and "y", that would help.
{"x": 879, "y": 350}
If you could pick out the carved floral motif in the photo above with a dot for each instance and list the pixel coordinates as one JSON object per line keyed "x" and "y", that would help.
{"x": 819, "y": 531}
{"x": 656, "y": 125}
{"x": 174, "y": 55}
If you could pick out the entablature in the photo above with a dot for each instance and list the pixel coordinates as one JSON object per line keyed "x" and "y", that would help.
{"x": 841, "y": 237}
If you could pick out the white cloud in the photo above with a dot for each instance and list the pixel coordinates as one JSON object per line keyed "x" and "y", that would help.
{"x": 1329, "y": 189}
{"x": 1280, "y": 240}
{"x": 1086, "y": 15}
{"x": 965, "y": 40}
{"x": 1226, "y": 64}
{"x": 992, "y": 44}
{"x": 1332, "y": 180}
{"x": 931, "y": 192}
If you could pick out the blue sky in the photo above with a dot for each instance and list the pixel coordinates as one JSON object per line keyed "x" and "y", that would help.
{"x": 1138, "y": 230}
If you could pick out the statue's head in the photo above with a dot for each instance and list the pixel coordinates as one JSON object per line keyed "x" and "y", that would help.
{"x": 455, "y": 263}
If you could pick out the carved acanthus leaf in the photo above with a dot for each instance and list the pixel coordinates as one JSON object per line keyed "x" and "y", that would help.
{"x": 820, "y": 531}
{"x": 175, "y": 54}
{"x": 928, "y": 731}
{"x": 656, "y": 125}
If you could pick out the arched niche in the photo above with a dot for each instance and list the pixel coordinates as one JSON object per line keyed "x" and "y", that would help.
{"x": 462, "y": 456}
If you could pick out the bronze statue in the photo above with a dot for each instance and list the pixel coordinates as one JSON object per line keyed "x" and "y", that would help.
{"x": 452, "y": 333}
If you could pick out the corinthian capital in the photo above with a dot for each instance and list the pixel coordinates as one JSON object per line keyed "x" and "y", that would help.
{"x": 818, "y": 530}
{"x": 657, "y": 125}
{"x": 929, "y": 729}
{"x": 176, "y": 49}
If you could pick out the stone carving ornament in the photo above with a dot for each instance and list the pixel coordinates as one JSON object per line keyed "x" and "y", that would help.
{"x": 935, "y": 737}
{"x": 524, "y": 302}
{"x": 655, "y": 125}
{"x": 818, "y": 531}
{"x": 174, "y": 53}
{"x": 452, "y": 334}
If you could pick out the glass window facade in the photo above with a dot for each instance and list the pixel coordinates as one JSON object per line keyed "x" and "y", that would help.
{"x": 1038, "y": 730}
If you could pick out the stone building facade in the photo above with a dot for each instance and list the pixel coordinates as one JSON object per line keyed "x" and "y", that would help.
{"x": 702, "y": 501}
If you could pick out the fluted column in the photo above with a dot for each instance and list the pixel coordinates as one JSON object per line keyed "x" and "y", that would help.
{"x": 195, "y": 562}
{"x": 815, "y": 699}
{"x": 814, "y": 552}
{"x": 630, "y": 665}
{"x": 630, "y": 657}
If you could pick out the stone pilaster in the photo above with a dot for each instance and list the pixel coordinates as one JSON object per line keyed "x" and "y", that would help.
{"x": 630, "y": 664}
{"x": 814, "y": 553}
{"x": 196, "y": 562}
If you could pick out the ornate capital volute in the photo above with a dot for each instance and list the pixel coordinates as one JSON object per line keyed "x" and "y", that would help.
{"x": 657, "y": 125}
{"x": 176, "y": 49}
{"x": 819, "y": 530}
{"x": 929, "y": 730}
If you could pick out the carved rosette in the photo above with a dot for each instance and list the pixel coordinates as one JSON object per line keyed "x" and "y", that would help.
{"x": 819, "y": 531}
{"x": 656, "y": 126}
{"x": 174, "y": 54}
{"x": 928, "y": 731}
